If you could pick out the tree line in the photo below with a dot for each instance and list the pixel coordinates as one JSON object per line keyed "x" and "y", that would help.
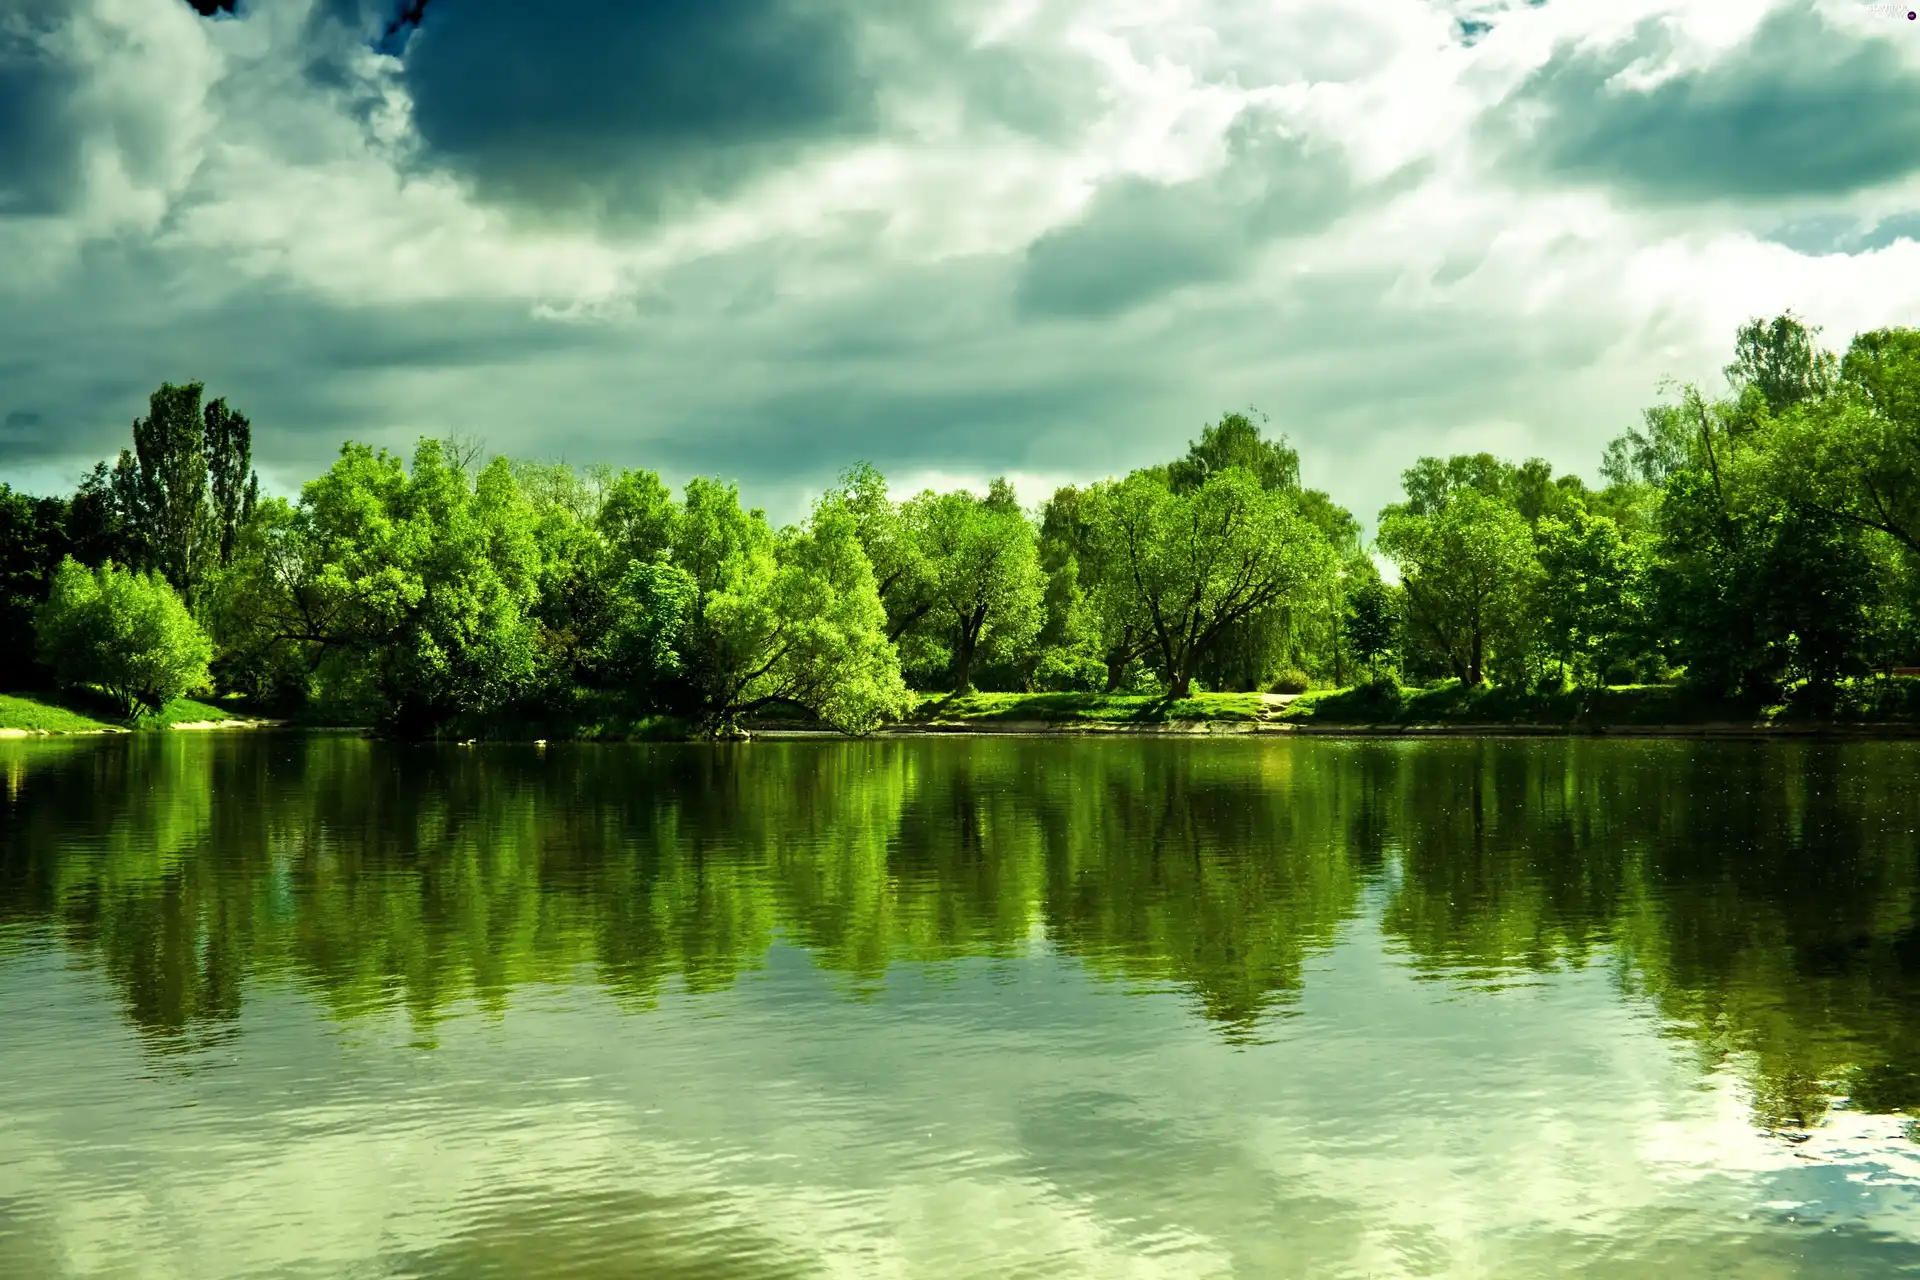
{"x": 1752, "y": 542}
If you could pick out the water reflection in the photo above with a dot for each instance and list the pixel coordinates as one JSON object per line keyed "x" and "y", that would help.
{"x": 1762, "y": 897}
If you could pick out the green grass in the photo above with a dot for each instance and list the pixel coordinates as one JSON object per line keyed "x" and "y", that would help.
{"x": 79, "y": 711}
{"x": 1085, "y": 708}
{"x": 1451, "y": 703}
{"x": 17, "y": 712}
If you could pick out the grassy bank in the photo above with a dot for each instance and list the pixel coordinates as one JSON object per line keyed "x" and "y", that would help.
{"x": 81, "y": 713}
{"x": 1872, "y": 701}
{"x": 1892, "y": 704}
{"x": 1086, "y": 710}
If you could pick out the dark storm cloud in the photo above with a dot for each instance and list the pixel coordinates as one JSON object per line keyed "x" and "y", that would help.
{"x": 1802, "y": 108}
{"x": 617, "y": 105}
{"x": 309, "y": 372}
{"x": 213, "y": 8}
{"x": 40, "y": 136}
{"x": 1140, "y": 239}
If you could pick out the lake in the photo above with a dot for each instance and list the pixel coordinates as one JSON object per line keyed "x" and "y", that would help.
{"x": 286, "y": 1005}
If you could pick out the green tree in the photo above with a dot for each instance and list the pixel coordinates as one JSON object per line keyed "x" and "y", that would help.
{"x": 983, "y": 568}
{"x": 233, "y": 489}
{"x": 1781, "y": 359}
{"x": 901, "y": 572}
{"x": 125, "y": 633}
{"x": 1855, "y": 454}
{"x": 1467, "y": 565}
{"x": 1372, "y": 621}
{"x": 1236, "y": 441}
{"x": 1186, "y": 567}
{"x": 181, "y": 495}
{"x": 636, "y": 516}
{"x": 1078, "y": 592}
{"x": 417, "y": 585}
{"x": 33, "y": 542}
{"x": 1593, "y": 592}
{"x": 792, "y": 618}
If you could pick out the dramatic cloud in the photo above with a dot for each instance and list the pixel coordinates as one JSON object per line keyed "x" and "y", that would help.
{"x": 617, "y": 102}
{"x": 40, "y": 137}
{"x": 1047, "y": 238}
{"x": 1805, "y": 106}
{"x": 1140, "y": 238}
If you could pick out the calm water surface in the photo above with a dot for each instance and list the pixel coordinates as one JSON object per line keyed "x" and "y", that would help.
{"x": 286, "y": 1006}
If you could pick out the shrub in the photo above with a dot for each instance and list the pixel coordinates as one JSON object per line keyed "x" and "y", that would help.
{"x": 1067, "y": 671}
{"x": 125, "y": 633}
{"x": 1292, "y": 680}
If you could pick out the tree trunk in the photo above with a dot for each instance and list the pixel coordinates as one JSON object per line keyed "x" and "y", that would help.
{"x": 1474, "y": 673}
{"x": 1116, "y": 672}
{"x": 963, "y": 661}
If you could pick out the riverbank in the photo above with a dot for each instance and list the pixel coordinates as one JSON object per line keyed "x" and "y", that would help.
{"x": 24, "y": 715}
{"x": 1877, "y": 708}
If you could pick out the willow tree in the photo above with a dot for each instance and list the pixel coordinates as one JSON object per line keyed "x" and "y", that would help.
{"x": 983, "y": 572}
{"x": 789, "y": 617}
{"x": 1188, "y": 566}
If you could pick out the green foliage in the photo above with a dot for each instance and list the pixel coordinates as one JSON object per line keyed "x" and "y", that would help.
{"x": 181, "y": 495}
{"x": 1292, "y": 680}
{"x": 408, "y": 591}
{"x": 1594, "y": 593}
{"x": 902, "y": 574}
{"x": 1468, "y": 568}
{"x": 1372, "y": 621}
{"x": 127, "y": 634}
{"x": 33, "y": 540}
{"x": 788, "y": 618}
{"x": 1186, "y": 567}
{"x": 985, "y": 586}
{"x": 1236, "y": 441}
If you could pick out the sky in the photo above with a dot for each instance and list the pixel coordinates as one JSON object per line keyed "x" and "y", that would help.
{"x": 763, "y": 239}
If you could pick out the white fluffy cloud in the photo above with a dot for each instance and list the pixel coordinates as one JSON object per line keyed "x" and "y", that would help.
{"x": 1042, "y": 237}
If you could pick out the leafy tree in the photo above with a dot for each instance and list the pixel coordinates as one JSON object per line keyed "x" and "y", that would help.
{"x": 1188, "y": 566}
{"x": 180, "y": 496}
{"x": 984, "y": 576}
{"x": 97, "y": 523}
{"x": 1077, "y": 627}
{"x": 1782, "y": 361}
{"x": 125, "y": 633}
{"x": 636, "y": 516}
{"x": 33, "y": 541}
{"x": 1755, "y": 584}
{"x": 1855, "y": 454}
{"x": 162, "y": 484}
{"x": 232, "y": 486}
{"x": 417, "y": 583}
{"x": 792, "y": 618}
{"x": 1593, "y": 592}
{"x": 1467, "y": 565}
{"x": 1372, "y": 621}
{"x": 651, "y": 616}
{"x": 1236, "y": 441}
{"x": 1652, "y": 453}
{"x": 901, "y": 572}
